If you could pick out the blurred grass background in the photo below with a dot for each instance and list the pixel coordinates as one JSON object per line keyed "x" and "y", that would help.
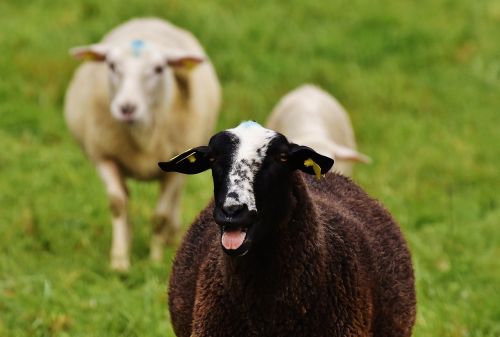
{"x": 421, "y": 81}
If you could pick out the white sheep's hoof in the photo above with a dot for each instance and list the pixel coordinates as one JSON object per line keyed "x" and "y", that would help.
{"x": 120, "y": 263}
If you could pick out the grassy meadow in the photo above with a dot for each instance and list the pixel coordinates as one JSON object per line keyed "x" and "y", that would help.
{"x": 421, "y": 80}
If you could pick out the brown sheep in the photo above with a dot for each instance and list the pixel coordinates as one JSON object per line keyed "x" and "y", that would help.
{"x": 281, "y": 253}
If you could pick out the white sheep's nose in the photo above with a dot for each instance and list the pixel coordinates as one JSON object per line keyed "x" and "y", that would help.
{"x": 128, "y": 109}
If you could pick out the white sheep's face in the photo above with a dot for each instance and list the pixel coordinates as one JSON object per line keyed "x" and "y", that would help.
{"x": 251, "y": 169}
{"x": 139, "y": 75}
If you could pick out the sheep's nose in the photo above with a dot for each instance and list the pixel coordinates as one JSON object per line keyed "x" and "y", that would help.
{"x": 128, "y": 109}
{"x": 234, "y": 216}
{"x": 234, "y": 210}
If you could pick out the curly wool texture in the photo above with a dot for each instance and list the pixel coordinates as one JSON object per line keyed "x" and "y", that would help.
{"x": 337, "y": 266}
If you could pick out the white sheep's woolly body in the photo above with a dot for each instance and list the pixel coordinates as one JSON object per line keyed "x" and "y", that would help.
{"x": 175, "y": 108}
{"x": 310, "y": 116}
{"x": 251, "y": 151}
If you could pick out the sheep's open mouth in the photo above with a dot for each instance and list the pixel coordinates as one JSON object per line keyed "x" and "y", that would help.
{"x": 234, "y": 241}
{"x": 236, "y": 230}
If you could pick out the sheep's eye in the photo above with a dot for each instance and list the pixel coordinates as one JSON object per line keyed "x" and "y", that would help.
{"x": 158, "y": 69}
{"x": 283, "y": 157}
{"x": 112, "y": 66}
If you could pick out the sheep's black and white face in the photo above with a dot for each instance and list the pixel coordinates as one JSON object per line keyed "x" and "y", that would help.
{"x": 251, "y": 142}
{"x": 235, "y": 179}
{"x": 251, "y": 169}
{"x": 139, "y": 73}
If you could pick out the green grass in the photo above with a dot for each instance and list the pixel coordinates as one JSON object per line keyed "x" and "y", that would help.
{"x": 421, "y": 81}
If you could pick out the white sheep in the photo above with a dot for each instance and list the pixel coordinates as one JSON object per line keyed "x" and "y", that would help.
{"x": 308, "y": 115}
{"x": 150, "y": 93}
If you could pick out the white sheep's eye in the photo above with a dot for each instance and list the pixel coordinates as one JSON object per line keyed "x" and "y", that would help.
{"x": 283, "y": 157}
{"x": 158, "y": 70}
{"x": 112, "y": 66}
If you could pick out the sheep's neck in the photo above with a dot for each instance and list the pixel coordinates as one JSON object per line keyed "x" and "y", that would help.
{"x": 143, "y": 136}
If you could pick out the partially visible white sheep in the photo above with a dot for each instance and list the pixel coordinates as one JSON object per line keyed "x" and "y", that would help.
{"x": 150, "y": 93}
{"x": 310, "y": 116}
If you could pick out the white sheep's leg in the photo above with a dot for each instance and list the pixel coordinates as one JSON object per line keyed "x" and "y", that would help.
{"x": 118, "y": 198}
{"x": 166, "y": 222}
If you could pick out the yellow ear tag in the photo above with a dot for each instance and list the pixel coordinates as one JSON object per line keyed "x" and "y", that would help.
{"x": 191, "y": 158}
{"x": 317, "y": 170}
{"x": 190, "y": 64}
{"x": 88, "y": 56}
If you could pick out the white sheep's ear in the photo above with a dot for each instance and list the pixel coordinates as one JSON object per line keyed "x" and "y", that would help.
{"x": 309, "y": 161}
{"x": 192, "y": 161}
{"x": 93, "y": 52}
{"x": 344, "y": 153}
{"x": 184, "y": 61}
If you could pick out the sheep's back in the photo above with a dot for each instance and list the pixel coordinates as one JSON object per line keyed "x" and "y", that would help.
{"x": 310, "y": 116}
{"x": 309, "y": 110}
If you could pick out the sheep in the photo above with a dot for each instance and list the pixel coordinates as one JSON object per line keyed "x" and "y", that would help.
{"x": 281, "y": 253}
{"x": 151, "y": 92}
{"x": 310, "y": 116}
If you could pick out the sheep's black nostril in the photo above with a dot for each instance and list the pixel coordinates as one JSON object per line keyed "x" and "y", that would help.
{"x": 128, "y": 109}
{"x": 234, "y": 210}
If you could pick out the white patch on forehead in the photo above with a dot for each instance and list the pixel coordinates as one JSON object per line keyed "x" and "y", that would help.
{"x": 251, "y": 151}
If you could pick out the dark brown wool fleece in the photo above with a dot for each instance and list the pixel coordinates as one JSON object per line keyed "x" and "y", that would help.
{"x": 338, "y": 266}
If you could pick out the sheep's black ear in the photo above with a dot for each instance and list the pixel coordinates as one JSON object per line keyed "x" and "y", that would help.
{"x": 309, "y": 161}
{"x": 190, "y": 162}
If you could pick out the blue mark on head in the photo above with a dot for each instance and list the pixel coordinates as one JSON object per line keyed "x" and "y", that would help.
{"x": 249, "y": 124}
{"x": 137, "y": 47}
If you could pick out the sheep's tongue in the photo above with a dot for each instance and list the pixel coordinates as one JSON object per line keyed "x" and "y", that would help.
{"x": 233, "y": 239}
